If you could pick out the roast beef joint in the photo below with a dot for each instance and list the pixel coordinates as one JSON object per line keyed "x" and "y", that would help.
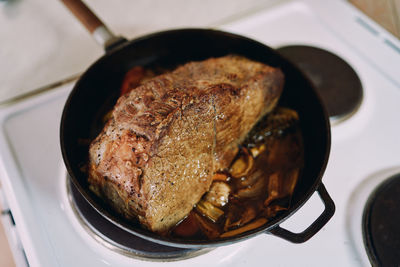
{"x": 165, "y": 139}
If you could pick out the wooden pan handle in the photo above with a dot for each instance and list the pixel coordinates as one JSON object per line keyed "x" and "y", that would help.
{"x": 94, "y": 25}
{"x": 84, "y": 14}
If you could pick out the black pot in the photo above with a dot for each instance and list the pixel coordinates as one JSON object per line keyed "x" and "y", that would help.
{"x": 98, "y": 89}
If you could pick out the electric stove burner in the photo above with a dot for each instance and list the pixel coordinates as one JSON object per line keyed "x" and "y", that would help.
{"x": 335, "y": 80}
{"x": 381, "y": 223}
{"x": 120, "y": 240}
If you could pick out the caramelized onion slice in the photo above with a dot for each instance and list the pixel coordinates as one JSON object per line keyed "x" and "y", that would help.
{"x": 209, "y": 210}
{"x": 291, "y": 181}
{"x": 218, "y": 194}
{"x": 252, "y": 178}
{"x": 247, "y": 227}
{"x": 232, "y": 220}
{"x": 254, "y": 190}
{"x": 280, "y": 186}
{"x": 273, "y": 188}
{"x": 242, "y": 165}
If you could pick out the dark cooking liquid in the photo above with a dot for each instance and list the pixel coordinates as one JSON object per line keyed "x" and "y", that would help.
{"x": 263, "y": 193}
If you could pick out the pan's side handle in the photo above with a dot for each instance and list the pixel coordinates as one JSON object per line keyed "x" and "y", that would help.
{"x": 93, "y": 24}
{"x": 315, "y": 226}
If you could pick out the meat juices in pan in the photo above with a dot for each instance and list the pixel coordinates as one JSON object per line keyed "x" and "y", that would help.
{"x": 167, "y": 140}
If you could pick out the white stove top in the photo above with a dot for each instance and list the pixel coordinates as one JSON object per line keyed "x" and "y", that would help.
{"x": 365, "y": 150}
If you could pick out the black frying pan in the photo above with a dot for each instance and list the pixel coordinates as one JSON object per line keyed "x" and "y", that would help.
{"x": 98, "y": 88}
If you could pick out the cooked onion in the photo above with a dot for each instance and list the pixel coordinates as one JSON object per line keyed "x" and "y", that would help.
{"x": 253, "y": 190}
{"x": 273, "y": 188}
{"x": 209, "y": 210}
{"x": 246, "y": 216}
{"x": 218, "y": 194}
{"x": 242, "y": 165}
{"x": 291, "y": 181}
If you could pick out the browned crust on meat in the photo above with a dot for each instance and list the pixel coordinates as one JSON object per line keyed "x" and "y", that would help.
{"x": 155, "y": 158}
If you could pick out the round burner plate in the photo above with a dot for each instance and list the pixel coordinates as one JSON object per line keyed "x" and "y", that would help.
{"x": 335, "y": 80}
{"x": 381, "y": 223}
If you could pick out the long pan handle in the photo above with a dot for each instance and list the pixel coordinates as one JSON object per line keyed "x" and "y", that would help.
{"x": 92, "y": 23}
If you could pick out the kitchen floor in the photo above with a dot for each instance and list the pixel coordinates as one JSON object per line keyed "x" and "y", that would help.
{"x": 385, "y": 12}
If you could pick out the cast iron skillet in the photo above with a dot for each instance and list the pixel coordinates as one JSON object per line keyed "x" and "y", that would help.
{"x": 97, "y": 91}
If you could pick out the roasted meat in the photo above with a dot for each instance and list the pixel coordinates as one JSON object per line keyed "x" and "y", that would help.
{"x": 165, "y": 139}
